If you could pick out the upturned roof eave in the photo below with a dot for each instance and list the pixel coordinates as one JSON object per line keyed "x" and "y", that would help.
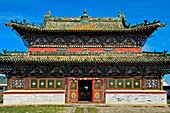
{"x": 36, "y": 28}
{"x": 54, "y": 62}
{"x": 146, "y": 58}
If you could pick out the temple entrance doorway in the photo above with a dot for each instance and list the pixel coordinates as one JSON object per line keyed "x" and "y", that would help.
{"x": 85, "y": 90}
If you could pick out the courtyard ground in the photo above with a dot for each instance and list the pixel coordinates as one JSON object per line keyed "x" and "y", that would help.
{"x": 82, "y": 109}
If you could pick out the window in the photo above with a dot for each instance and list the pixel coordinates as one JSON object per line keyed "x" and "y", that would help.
{"x": 42, "y": 83}
{"x": 50, "y": 83}
{"x": 128, "y": 83}
{"x": 17, "y": 83}
{"x": 111, "y": 83}
{"x": 119, "y": 83}
{"x": 34, "y": 84}
{"x": 152, "y": 83}
{"x": 136, "y": 83}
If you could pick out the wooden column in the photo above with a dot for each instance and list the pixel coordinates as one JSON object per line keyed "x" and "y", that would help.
{"x": 160, "y": 81}
{"x": 8, "y": 83}
{"x": 66, "y": 91}
{"x": 143, "y": 83}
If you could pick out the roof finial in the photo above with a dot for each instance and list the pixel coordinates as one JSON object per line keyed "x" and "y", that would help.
{"x": 84, "y": 11}
{"x": 48, "y": 13}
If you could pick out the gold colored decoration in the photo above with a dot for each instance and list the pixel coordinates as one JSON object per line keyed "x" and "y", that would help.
{"x": 85, "y": 27}
{"x": 73, "y": 85}
{"x": 97, "y": 85}
{"x": 97, "y": 95}
{"x": 73, "y": 95}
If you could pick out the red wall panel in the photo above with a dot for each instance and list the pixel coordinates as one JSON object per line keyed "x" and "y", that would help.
{"x": 42, "y": 49}
{"x": 82, "y": 49}
{"x": 75, "y": 49}
{"x": 95, "y": 49}
{"x": 128, "y": 49}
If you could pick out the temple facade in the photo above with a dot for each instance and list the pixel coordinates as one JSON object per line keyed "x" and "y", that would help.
{"x": 84, "y": 59}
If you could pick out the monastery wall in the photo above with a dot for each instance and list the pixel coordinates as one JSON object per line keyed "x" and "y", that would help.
{"x": 136, "y": 97}
{"x": 31, "y": 98}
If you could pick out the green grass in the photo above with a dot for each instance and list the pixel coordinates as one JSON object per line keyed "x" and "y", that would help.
{"x": 31, "y": 109}
{"x": 79, "y": 110}
{"x": 168, "y": 101}
{"x": 92, "y": 110}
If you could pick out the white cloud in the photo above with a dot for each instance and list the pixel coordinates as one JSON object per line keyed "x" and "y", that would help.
{"x": 167, "y": 78}
{"x": 2, "y": 75}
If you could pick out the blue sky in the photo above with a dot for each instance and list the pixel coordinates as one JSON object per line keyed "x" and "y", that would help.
{"x": 136, "y": 11}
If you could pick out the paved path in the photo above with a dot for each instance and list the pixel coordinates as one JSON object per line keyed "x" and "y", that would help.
{"x": 133, "y": 110}
{"x": 68, "y": 110}
{"x": 85, "y": 110}
{"x": 121, "y": 109}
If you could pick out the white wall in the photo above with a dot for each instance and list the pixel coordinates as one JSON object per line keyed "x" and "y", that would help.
{"x": 159, "y": 99}
{"x": 30, "y": 99}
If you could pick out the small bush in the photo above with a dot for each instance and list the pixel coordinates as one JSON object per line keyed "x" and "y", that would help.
{"x": 168, "y": 101}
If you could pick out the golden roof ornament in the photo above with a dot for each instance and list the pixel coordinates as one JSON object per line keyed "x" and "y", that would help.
{"x": 48, "y": 13}
{"x": 84, "y": 16}
{"x": 85, "y": 12}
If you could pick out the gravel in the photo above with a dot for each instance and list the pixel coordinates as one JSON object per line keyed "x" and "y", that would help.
{"x": 133, "y": 109}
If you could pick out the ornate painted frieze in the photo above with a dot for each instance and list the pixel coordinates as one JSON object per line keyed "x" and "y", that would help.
{"x": 84, "y": 40}
{"x": 17, "y": 83}
{"x": 73, "y": 85}
{"x": 84, "y": 70}
{"x": 97, "y": 95}
{"x": 96, "y": 85}
{"x": 73, "y": 95}
{"x": 152, "y": 83}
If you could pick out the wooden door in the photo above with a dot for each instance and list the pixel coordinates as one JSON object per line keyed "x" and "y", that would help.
{"x": 73, "y": 89}
{"x": 96, "y": 91}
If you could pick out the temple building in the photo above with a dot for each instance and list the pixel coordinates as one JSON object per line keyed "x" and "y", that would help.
{"x": 84, "y": 59}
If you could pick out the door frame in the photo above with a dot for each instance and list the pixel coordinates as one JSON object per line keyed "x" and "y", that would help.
{"x": 70, "y": 91}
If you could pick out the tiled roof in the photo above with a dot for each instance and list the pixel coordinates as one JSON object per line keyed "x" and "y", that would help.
{"x": 103, "y": 57}
{"x": 85, "y": 23}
